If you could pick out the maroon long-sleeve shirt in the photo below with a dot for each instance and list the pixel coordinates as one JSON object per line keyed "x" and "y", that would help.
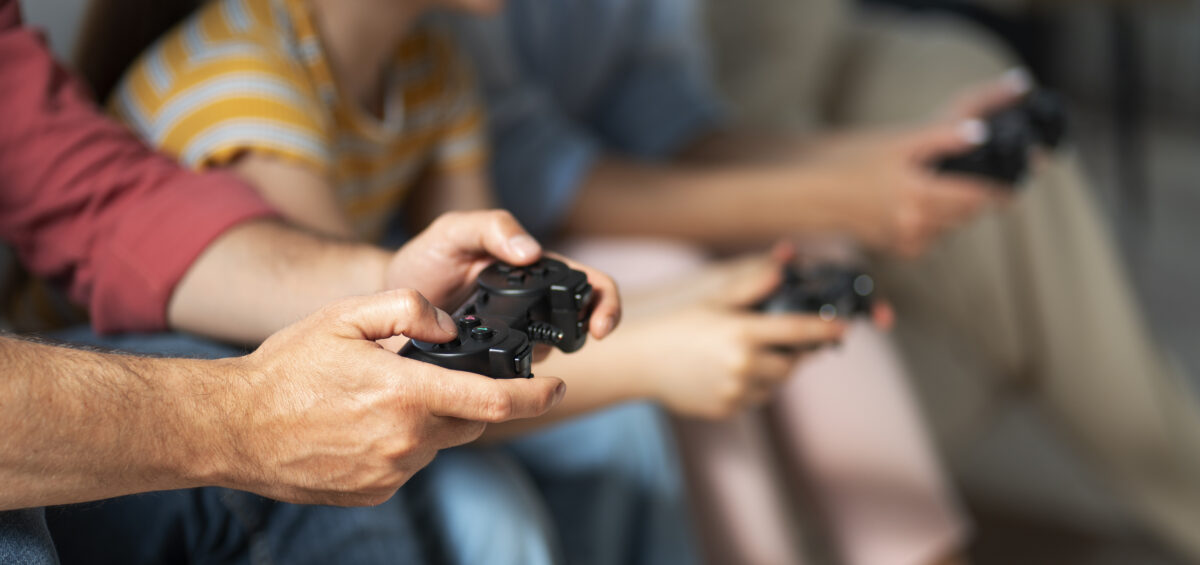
{"x": 84, "y": 202}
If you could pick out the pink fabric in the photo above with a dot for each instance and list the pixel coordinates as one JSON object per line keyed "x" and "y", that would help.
{"x": 84, "y": 202}
{"x": 846, "y": 419}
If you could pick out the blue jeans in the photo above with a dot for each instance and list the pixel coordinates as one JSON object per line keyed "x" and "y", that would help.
{"x": 600, "y": 490}
{"x": 605, "y": 489}
{"x": 25, "y": 539}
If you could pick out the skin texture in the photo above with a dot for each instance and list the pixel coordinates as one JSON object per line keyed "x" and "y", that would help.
{"x": 261, "y": 276}
{"x": 319, "y": 414}
{"x": 872, "y": 185}
{"x": 360, "y": 37}
{"x": 729, "y": 366}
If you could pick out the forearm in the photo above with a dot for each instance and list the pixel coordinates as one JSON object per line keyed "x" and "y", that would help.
{"x": 717, "y": 204}
{"x": 80, "y": 425}
{"x": 263, "y": 275}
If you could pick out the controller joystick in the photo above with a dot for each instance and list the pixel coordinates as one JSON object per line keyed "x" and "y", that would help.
{"x": 828, "y": 291}
{"x": 548, "y": 301}
{"x": 485, "y": 346}
{"x": 1038, "y": 119}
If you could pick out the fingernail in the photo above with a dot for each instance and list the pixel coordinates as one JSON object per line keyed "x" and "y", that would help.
{"x": 973, "y": 131}
{"x": 1018, "y": 79}
{"x": 559, "y": 392}
{"x": 446, "y": 322}
{"x": 524, "y": 246}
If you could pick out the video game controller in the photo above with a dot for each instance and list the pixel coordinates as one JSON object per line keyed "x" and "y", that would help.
{"x": 548, "y": 301}
{"x": 1038, "y": 119}
{"x": 484, "y": 345}
{"x": 512, "y": 309}
{"x": 826, "y": 290}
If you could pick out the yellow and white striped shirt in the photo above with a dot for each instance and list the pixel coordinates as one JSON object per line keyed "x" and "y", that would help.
{"x": 251, "y": 76}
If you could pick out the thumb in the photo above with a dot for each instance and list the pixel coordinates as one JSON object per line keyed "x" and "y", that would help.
{"x": 947, "y": 138}
{"x": 395, "y": 312}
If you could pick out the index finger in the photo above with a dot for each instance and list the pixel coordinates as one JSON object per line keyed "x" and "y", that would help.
{"x": 993, "y": 95}
{"x": 606, "y": 305}
{"x": 790, "y": 329}
{"x": 469, "y": 396}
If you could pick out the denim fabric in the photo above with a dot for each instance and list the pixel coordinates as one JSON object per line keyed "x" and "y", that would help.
{"x": 24, "y": 538}
{"x": 222, "y": 526}
{"x": 565, "y": 81}
{"x": 606, "y": 488}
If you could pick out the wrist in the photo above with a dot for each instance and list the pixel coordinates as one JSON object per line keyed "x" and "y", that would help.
{"x": 206, "y": 449}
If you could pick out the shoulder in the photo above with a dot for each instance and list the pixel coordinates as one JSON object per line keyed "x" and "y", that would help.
{"x": 208, "y": 59}
{"x": 213, "y": 79}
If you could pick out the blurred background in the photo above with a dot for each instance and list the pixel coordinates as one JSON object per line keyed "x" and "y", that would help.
{"x": 1129, "y": 70}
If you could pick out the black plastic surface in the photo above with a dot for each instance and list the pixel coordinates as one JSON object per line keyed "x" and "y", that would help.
{"x": 1038, "y": 119}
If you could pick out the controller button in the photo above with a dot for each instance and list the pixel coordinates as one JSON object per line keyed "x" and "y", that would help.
{"x": 503, "y": 267}
{"x": 827, "y": 312}
{"x": 482, "y": 333}
{"x": 537, "y": 270}
{"x": 516, "y": 277}
{"x": 469, "y": 322}
{"x": 864, "y": 285}
{"x": 583, "y": 298}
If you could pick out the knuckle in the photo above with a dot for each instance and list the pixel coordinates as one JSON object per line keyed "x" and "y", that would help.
{"x": 449, "y": 218}
{"x": 403, "y": 446}
{"x": 409, "y": 300}
{"x": 498, "y": 406}
{"x": 499, "y": 216}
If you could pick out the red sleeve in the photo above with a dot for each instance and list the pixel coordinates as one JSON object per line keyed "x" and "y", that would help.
{"x": 84, "y": 202}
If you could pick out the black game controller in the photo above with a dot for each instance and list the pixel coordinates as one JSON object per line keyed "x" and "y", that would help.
{"x": 484, "y": 345}
{"x": 546, "y": 302}
{"x": 826, "y": 290}
{"x": 1038, "y": 119}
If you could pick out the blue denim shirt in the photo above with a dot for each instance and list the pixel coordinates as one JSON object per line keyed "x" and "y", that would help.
{"x": 568, "y": 80}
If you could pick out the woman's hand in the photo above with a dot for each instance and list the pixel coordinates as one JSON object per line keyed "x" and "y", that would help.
{"x": 714, "y": 357}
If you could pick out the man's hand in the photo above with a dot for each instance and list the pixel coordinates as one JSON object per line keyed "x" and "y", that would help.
{"x": 444, "y": 260}
{"x": 321, "y": 414}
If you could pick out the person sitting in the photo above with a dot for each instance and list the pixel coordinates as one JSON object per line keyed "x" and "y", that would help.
{"x": 611, "y": 125}
{"x": 139, "y": 242}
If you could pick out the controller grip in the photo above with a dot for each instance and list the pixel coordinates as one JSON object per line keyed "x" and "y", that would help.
{"x": 484, "y": 346}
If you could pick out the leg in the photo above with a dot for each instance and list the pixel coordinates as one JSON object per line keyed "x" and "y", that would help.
{"x": 1036, "y": 300}
{"x": 24, "y": 538}
{"x": 612, "y": 483}
{"x": 482, "y": 507}
{"x": 743, "y": 513}
{"x": 848, "y": 420}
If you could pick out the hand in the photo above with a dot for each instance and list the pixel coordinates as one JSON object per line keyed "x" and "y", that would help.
{"x": 321, "y": 414}
{"x": 444, "y": 260}
{"x": 892, "y": 199}
{"x": 715, "y": 357}
{"x": 982, "y": 99}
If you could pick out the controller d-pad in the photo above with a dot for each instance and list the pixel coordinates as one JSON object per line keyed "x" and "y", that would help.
{"x": 516, "y": 277}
